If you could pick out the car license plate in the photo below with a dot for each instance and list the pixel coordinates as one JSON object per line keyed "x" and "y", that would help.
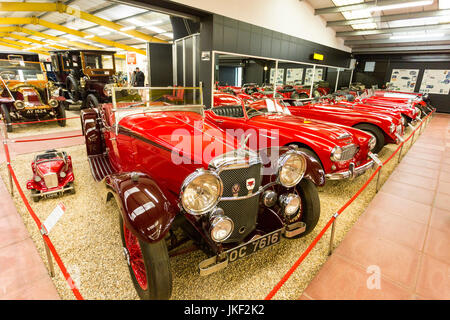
{"x": 255, "y": 245}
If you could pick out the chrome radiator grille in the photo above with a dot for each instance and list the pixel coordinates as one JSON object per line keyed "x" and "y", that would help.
{"x": 51, "y": 180}
{"x": 243, "y": 212}
{"x": 348, "y": 152}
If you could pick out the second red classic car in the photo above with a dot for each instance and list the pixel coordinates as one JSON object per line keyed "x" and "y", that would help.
{"x": 385, "y": 128}
{"x": 343, "y": 152}
{"x": 168, "y": 167}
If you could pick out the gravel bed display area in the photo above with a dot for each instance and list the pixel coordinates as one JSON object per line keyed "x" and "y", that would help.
{"x": 88, "y": 239}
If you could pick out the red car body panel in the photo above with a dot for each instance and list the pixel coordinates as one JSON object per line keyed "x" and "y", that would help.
{"x": 350, "y": 117}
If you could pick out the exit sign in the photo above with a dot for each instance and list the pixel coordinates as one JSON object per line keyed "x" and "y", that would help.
{"x": 318, "y": 56}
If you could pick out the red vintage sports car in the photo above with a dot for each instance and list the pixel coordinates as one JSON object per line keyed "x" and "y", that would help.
{"x": 52, "y": 174}
{"x": 170, "y": 168}
{"x": 385, "y": 128}
{"x": 343, "y": 152}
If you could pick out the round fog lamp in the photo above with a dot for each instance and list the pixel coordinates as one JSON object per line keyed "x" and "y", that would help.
{"x": 269, "y": 198}
{"x": 53, "y": 103}
{"x": 290, "y": 203}
{"x": 19, "y": 104}
{"x": 37, "y": 179}
{"x": 221, "y": 227}
{"x": 62, "y": 174}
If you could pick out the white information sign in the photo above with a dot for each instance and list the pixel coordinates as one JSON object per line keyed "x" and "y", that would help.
{"x": 404, "y": 79}
{"x": 280, "y": 75}
{"x": 294, "y": 75}
{"x": 435, "y": 81}
{"x": 318, "y": 76}
{"x": 53, "y": 218}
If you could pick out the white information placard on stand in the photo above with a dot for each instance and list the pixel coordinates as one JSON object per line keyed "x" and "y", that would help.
{"x": 435, "y": 81}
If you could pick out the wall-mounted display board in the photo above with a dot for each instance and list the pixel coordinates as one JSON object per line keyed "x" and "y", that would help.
{"x": 435, "y": 81}
{"x": 280, "y": 76}
{"x": 294, "y": 75}
{"x": 317, "y": 77}
{"x": 404, "y": 79}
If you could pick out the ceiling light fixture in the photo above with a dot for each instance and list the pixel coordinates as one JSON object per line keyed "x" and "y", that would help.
{"x": 417, "y": 36}
{"x": 401, "y": 5}
{"x": 128, "y": 28}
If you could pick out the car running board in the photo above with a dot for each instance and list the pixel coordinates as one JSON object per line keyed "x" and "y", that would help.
{"x": 100, "y": 166}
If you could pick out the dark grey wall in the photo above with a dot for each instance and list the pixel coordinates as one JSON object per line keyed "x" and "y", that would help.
{"x": 225, "y": 34}
{"x": 227, "y": 76}
{"x": 385, "y": 63}
{"x": 160, "y": 57}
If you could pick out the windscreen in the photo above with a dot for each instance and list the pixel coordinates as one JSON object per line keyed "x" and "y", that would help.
{"x": 21, "y": 70}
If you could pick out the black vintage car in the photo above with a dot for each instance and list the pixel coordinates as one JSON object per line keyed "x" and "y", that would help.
{"x": 85, "y": 76}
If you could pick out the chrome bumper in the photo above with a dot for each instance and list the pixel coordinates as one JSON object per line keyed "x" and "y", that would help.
{"x": 61, "y": 190}
{"x": 352, "y": 173}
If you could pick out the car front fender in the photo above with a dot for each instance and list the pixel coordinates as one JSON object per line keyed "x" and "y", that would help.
{"x": 147, "y": 212}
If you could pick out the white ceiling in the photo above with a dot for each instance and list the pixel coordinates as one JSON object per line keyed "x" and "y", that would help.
{"x": 422, "y": 16}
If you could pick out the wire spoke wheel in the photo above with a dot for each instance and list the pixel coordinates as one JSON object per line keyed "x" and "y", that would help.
{"x": 136, "y": 259}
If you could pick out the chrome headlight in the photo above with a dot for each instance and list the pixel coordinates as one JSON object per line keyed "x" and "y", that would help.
{"x": 290, "y": 204}
{"x": 201, "y": 191}
{"x": 291, "y": 168}
{"x": 37, "y": 178}
{"x": 392, "y": 128}
{"x": 53, "y": 103}
{"x": 221, "y": 226}
{"x": 62, "y": 174}
{"x": 107, "y": 89}
{"x": 83, "y": 82}
{"x": 336, "y": 154}
{"x": 19, "y": 104}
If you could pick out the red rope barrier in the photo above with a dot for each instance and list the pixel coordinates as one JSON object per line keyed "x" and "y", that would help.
{"x": 322, "y": 232}
{"x": 46, "y": 139}
{"x": 39, "y": 121}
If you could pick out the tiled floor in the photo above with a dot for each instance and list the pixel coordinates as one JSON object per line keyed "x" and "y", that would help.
{"x": 400, "y": 247}
{"x": 23, "y": 274}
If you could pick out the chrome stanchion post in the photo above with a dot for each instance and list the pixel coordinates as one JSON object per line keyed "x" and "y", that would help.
{"x": 8, "y": 163}
{"x": 333, "y": 228}
{"x": 49, "y": 258}
{"x": 400, "y": 153}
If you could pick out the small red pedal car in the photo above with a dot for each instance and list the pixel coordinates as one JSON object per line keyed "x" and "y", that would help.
{"x": 52, "y": 174}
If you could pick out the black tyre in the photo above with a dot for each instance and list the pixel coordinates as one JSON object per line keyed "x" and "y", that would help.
{"x": 72, "y": 89}
{"x": 375, "y": 132}
{"x": 91, "y": 101}
{"x": 6, "y": 117}
{"x": 310, "y": 205}
{"x": 148, "y": 264}
{"x": 61, "y": 114}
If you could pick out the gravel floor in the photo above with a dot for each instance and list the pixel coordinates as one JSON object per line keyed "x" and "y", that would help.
{"x": 88, "y": 240}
